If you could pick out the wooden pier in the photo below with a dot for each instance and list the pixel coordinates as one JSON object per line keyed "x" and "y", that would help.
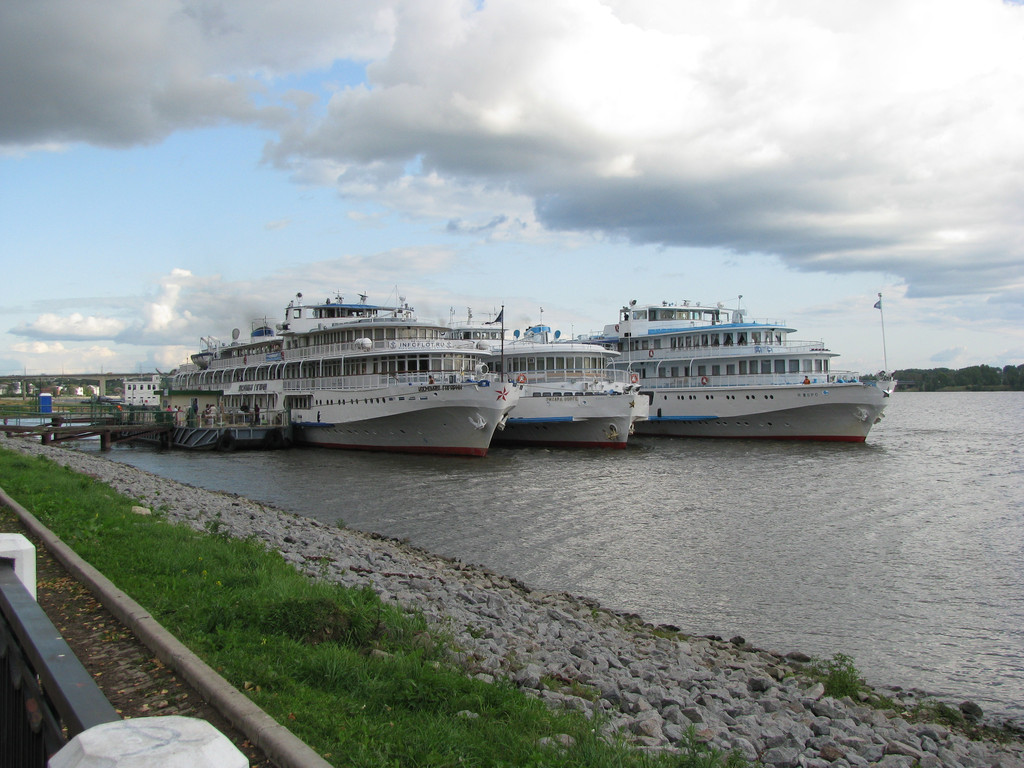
{"x": 115, "y": 425}
{"x": 59, "y": 430}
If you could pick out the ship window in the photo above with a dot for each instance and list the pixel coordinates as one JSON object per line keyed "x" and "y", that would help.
{"x": 817, "y": 366}
{"x": 794, "y": 366}
{"x": 743, "y": 367}
{"x": 702, "y": 370}
{"x": 780, "y": 366}
{"x": 716, "y": 370}
{"x": 730, "y": 370}
{"x": 756, "y": 337}
{"x": 766, "y": 366}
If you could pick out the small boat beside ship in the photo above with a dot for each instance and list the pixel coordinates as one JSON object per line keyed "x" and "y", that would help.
{"x": 710, "y": 371}
{"x": 571, "y": 397}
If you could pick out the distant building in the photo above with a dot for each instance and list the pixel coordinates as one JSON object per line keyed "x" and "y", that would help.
{"x": 144, "y": 390}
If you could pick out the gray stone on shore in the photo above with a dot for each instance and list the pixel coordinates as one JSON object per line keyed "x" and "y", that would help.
{"x": 651, "y": 685}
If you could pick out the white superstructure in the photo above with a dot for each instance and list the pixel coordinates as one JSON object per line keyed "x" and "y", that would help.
{"x": 711, "y": 372}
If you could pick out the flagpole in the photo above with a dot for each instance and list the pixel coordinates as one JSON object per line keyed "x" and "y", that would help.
{"x": 881, "y": 314}
{"x": 501, "y": 314}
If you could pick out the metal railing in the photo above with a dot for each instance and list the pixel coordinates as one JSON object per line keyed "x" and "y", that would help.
{"x": 46, "y": 695}
{"x": 750, "y": 380}
{"x": 358, "y": 382}
{"x": 748, "y": 348}
{"x": 391, "y": 346}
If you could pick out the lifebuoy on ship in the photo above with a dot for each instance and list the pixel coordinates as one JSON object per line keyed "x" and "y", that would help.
{"x": 634, "y": 378}
{"x": 521, "y": 378}
{"x": 704, "y": 380}
{"x": 650, "y": 353}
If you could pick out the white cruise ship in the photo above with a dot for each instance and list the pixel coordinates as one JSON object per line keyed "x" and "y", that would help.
{"x": 711, "y": 372}
{"x": 571, "y": 397}
{"x": 373, "y": 377}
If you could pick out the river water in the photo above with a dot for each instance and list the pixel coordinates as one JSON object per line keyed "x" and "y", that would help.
{"x": 905, "y": 552}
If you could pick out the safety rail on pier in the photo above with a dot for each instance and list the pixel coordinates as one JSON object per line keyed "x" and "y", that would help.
{"x": 48, "y": 696}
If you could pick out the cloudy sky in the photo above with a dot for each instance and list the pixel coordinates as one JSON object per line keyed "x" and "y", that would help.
{"x": 176, "y": 168}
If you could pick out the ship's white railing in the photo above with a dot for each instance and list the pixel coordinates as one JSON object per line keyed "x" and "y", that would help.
{"x": 381, "y": 380}
{"x": 726, "y": 350}
{"x": 749, "y": 380}
{"x": 574, "y": 376}
{"x": 248, "y": 359}
{"x": 388, "y": 346}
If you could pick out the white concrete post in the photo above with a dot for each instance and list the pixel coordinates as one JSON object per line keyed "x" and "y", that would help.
{"x": 148, "y": 742}
{"x": 18, "y": 548}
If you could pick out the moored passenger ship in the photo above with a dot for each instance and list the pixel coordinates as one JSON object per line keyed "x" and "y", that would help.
{"x": 373, "y": 377}
{"x": 571, "y": 397}
{"x": 711, "y": 372}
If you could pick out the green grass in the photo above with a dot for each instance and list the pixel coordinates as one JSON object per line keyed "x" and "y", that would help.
{"x": 838, "y": 674}
{"x": 362, "y": 682}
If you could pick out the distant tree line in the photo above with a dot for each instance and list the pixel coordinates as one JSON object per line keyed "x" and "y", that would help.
{"x": 973, "y": 378}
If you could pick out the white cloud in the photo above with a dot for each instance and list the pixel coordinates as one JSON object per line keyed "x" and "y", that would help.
{"x": 73, "y": 326}
{"x": 39, "y": 348}
{"x": 837, "y": 137}
{"x": 850, "y": 137}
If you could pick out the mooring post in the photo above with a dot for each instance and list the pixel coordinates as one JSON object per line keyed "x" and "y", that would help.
{"x": 17, "y": 548}
{"x": 142, "y": 742}
{"x": 105, "y": 440}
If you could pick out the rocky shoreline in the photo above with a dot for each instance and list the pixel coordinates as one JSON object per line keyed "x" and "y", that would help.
{"x": 650, "y": 683}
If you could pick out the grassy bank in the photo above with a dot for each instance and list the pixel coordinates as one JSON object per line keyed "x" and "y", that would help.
{"x": 362, "y": 682}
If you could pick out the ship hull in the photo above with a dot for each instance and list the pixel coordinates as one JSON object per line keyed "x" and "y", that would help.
{"x": 570, "y": 421}
{"x": 835, "y": 412}
{"x": 454, "y": 419}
